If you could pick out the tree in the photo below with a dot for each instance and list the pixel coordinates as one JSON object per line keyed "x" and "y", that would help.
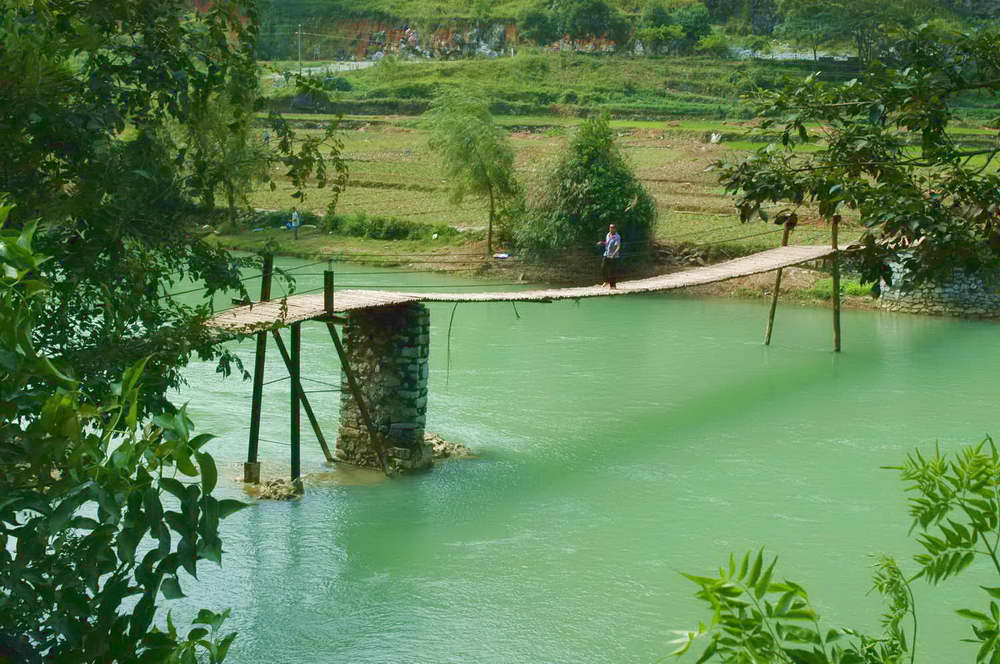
{"x": 537, "y": 24}
{"x": 581, "y": 19}
{"x": 475, "y": 153}
{"x": 693, "y": 19}
{"x": 84, "y": 484}
{"x": 240, "y": 159}
{"x": 591, "y": 187}
{"x": 871, "y": 25}
{"x": 924, "y": 199}
{"x": 92, "y": 90}
{"x": 810, "y": 23}
{"x": 677, "y": 28}
{"x": 955, "y": 510}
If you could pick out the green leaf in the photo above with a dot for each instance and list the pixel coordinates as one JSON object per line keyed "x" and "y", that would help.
{"x": 755, "y": 572}
{"x": 765, "y": 581}
{"x": 994, "y": 592}
{"x": 709, "y": 651}
{"x": 173, "y": 486}
{"x": 974, "y": 615}
{"x": 209, "y": 474}
{"x": 171, "y": 588}
{"x": 229, "y": 506}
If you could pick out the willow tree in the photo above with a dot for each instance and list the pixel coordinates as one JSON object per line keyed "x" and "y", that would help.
{"x": 475, "y": 152}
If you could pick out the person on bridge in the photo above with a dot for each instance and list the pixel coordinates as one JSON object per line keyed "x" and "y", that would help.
{"x": 612, "y": 244}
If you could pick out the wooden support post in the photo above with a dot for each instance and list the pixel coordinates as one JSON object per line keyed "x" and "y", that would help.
{"x": 328, "y": 289}
{"x": 251, "y": 469}
{"x": 297, "y": 385}
{"x": 789, "y": 225}
{"x": 352, "y": 384}
{"x": 294, "y": 433}
{"x": 835, "y": 222}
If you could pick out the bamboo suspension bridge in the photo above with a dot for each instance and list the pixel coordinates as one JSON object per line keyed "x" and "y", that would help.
{"x": 385, "y": 348}
{"x": 298, "y": 308}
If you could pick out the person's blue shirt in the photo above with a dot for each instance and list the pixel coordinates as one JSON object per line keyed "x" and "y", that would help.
{"x": 612, "y": 245}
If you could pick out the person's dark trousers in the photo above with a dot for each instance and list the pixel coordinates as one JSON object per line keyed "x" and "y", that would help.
{"x": 609, "y": 271}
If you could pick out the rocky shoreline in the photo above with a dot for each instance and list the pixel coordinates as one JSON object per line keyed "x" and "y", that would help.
{"x": 284, "y": 489}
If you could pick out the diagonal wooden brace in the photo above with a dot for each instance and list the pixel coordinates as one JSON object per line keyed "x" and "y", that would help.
{"x": 352, "y": 383}
{"x": 297, "y": 385}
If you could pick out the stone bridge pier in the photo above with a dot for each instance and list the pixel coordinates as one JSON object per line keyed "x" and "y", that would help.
{"x": 387, "y": 349}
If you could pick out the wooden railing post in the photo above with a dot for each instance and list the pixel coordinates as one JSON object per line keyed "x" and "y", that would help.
{"x": 251, "y": 469}
{"x": 789, "y": 225}
{"x": 835, "y": 223}
{"x": 328, "y": 288}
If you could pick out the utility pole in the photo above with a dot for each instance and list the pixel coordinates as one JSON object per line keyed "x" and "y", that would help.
{"x": 300, "y": 49}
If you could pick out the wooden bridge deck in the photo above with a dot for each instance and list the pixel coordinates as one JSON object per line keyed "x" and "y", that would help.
{"x": 297, "y": 308}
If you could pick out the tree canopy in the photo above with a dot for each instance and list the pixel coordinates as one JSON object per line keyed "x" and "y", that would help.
{"x": 881, "y": 148}
{"x": 591, "y": 187}
{"x": 106, "y": 103}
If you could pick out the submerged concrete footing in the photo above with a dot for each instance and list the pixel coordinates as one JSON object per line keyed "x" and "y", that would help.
{"x": 388, "y": 350}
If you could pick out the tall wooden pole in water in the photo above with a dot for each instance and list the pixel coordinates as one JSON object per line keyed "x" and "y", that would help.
{"x": 295, "y": 429}
{"x": 835, "y": 222}
{"x": 789, "y": 225}
{"x": 251, "y": 469}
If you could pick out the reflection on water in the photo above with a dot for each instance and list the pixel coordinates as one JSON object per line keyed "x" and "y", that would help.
{"x": 621, "y": 441}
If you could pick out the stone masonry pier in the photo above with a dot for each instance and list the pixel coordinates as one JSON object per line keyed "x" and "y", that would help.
{"x": 387, "y": 348}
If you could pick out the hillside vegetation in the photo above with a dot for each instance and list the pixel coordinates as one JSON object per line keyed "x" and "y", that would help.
{"x": 569, "y": 84}
{"x": 564, "y": 85}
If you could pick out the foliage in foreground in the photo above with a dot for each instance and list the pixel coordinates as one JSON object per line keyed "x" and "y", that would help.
{"x": 94, "y": 522}
{"x": 591, "y": 187}
{"x": 118, "y": 119}
{"x": 924, "y": 199}
{"x": 955, "y": 509}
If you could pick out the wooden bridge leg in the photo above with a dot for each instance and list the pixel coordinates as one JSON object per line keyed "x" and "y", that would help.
{"x": 306, "y": 406}
{"x": 359, "y": 399}
{"x": 251, "y": 469}
{"x": 294, "y": 437}
{"x": 777, "y": 287}
{"x": 836, "y": 285}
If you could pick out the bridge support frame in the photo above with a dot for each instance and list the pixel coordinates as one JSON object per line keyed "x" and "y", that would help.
{"x": 292, "y": 359}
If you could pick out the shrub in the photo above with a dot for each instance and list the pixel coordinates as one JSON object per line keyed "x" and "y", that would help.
{"x": 278, "y": 218}
{"x": 337, "y": 83}
{"x": 592, "y": 186}
{"x": 360, "y": 224}
{"x": 823, "y": 289}
{"x": 714, "y": 44}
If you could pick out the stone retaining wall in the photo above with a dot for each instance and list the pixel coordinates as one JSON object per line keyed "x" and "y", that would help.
{"x": 965, "y": 295}
{"x": 388, "y": 349}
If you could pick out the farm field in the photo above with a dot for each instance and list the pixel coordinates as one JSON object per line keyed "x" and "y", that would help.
{"x": 393, "y": 173}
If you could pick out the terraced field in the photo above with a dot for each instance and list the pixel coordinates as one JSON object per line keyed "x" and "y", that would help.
{"x": 394, "y": 173}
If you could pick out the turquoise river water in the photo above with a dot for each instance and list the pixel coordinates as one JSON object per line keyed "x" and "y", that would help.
{"x": 620, "y": 441}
